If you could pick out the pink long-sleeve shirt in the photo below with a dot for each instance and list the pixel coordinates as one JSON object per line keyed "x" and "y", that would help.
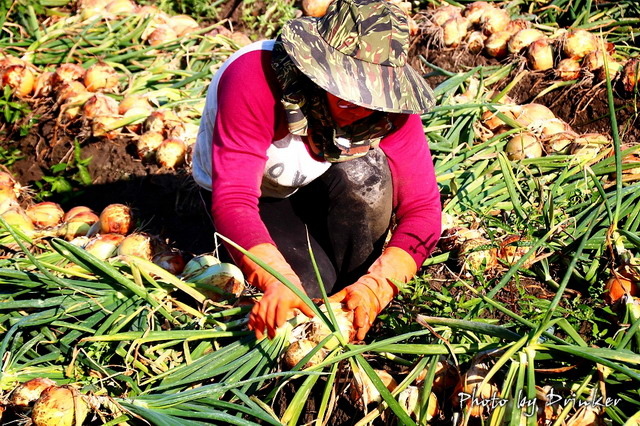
{"x": 250, "y": 118}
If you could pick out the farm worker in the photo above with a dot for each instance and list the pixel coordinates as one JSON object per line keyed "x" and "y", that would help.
{"x": 316, "y": 138}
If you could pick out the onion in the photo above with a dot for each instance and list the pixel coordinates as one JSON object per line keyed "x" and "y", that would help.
{"x": 476, "y": 10}
{"x": 17, "y": 218}
{"x": 318, "y": 330}
{"x": 121, "y": 7}
{"x": 147, "y": 144}
{"x": 45, "y": 215}
{"x": 533, "y": 113}
{"x": 587, "y": 146}
{"x": 496, "y": 44}
{"x": 187, "y": 132}
{"x": 72, "y": 89}
{"x": 470, "y": 384}
{"x": 298, "y": 350}
{"x": 631, "y": 158}
{"x": 617, "y": 287}
{"x": 560, "y": 143}
{"x": 411, "y": 400}
{"x": 60, "y": 406}
{"x": 8, "y": 199}
{"x": 475, "y": 42}
{"x": 106, "y": 126}
{"x": 101, "y": 76}
{"x": 476, "y": 258}
{"x": 43, "y": 85}
{"x": 517, "y": 25}
{"x": 552, "y": 127}
{"x": 454, "y": 31}
{"x": 116, "y": 219}
{"x": 219, "y": 280}
{"x": 523, "y": 39}
{"x": 453, "y": 238}
{"x": 443, "y": 13}
{"x": 136, "y": 102}
{"x": 198, "y": 265}
{"x": 579, "y": 43}
{"x": 495, "y": 21}
{"x": 510, "y": 252}
{"x": 540, "y": 55}
{"x": 611, "y": 67}
{"x": 593, "y": 60}
{"x": 137, "y": 244}
{"x": 631, "y": 73}
{"x": 171, "y": 153}
{"x": 363, "y": 388}
{"x": 491, "y": 120}
{"x": 568, "y": 69}
{"x": 171, "y": 260}
{"x": 524, "y": 145}
{"x": 161, "y": 35}
{"x": 20, "y": 79}
{"x": 183, "y": 24}
{"x": 100, "y": 105}
{"x": 28, "y": 392}
{"x": 160, "y": 120}
{"x": 77, "y": 222}
{"x": 104, "y": 246}
{"x": 67, "y": 73}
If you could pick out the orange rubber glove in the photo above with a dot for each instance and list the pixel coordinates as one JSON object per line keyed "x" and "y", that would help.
{"x": 368, "y": 296}
{"x": 278, "y": 302}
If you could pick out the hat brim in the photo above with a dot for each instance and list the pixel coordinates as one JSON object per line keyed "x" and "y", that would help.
{"x": 374, "y": 86}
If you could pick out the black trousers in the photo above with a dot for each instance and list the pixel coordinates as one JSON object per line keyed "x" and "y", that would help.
{"x": 343, "y": 215}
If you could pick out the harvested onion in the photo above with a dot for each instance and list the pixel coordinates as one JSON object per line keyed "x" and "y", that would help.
{"x": 171, "y": 153}
{"x": 476, "y": 10}
{"x": 135, "y": 102}
{"x": 20, "y": 79}
{"x": 443, "y": 13}
{"x": 560, "y": 142}
{"x": 45, "y": 215}
{"x": 298, "y": 350}
{"x": 116, "y": 219}
{"x": 171, "y": 259}
{"x": 631, "y": 74}
{"x": 540, "y": 55}
{"x": 104, "y": 246}
{"x": 495, "y": 21}
{"x": 475, "y": 42}
{"x": 121, "y": 7}
{"x": 100, "y": 105}
{"x": 137, "y": 244}
{"x": 475, "y": 257}
{"x": 77, "y": 222}
{"x": 60, "y": 406}
{"x": 587, "y": 146}
{"x": 470, "y": 387}
{"x": 579, "y": 43}
{"x": 523, "y": 38}
{"x": 161, "y": 35}
{"x": 219, "y": 280}
{"x": 67, "y": 73}
{"x": 147, "y": 144}
{"x": 496, "y": 44}
{"x": 533, "y": 113}
{"x": 568, "y": 69}
{"x": 183, "y": 24}
{"x": 17, "y": 218}
{"x": 364, "y": 390}
{"x": 106, "y": 126}
{"x": 524, "y": 145}
{"x": 43, "y": 85}
{"x": 315, "y": 8}
{"x": 101, "y": 77}
{"x": 454, "y": 31}
{"x": 28, "y": 392}
{"x": 618, "y": 286}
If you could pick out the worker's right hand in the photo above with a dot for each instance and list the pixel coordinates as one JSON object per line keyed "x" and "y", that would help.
{"x": 278, "y": 304}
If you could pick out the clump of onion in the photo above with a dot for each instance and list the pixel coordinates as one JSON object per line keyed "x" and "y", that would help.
{"x": 137, "y": 244}
{"x": 475, "y": 42}
{"x": 116, "y": 219}
{"x": 147, "y": 144}
{"x": 631, "y": 74}
{"x": 524, "y": 145}
{"x": 476, "y": 10}
{"x": 218, "y": 281}
{"x": 364, "y": 390}
{"x": 171, "y": 260}
{"x": 28, "y": 392}
{"x": 568, "y": 69}
{"x": 101, "y": 77}
{"x": 161, "y": 35}
{"x": 523, "y": 38}
{"x": 20, "y": 79}
{"x": 579, "y": 43}
{"x": 104, "y": 246}
{"x": 183, "y": 24}
{"x": 496, "y": 44}
{"x": 60, "y": 406}
{"x": 297, "y": 350}
{"x": 106, "y": 126}
{"x": 66, "y": 73}
{"x": 100, "y": 105}
{"x": 45, "y": 215}
{"x": 559, "y": 143}
{"x": 540, "y": 55}
{"x": 171, "y": 153}
{"x": 77, "y": 222}
{"x": 495, "y": 21}
{"x": 43, "y": 85}
{"x": 454, "y": 31}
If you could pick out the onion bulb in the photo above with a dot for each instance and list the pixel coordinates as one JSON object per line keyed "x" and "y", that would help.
{"x": 28, "y": 392}
{"x": 45, "y": 215}
{"x": 587, "y": 146}
{"x": 187, "y": 132}
{"x": 20, "y": 79}
{"x": 317, "y": 330}
{"x": 183, "y": 24}
{"x": 553, "y": 126}
{"x": 171, "y": 260}
{"x": 631, "y": 74}
{"x": 364, "y": 390}
{"x": 297, "y": 350}
{"x": 523, "y": 38}
{"x": 43, "y": 85}
{"x": 540, "y": 55}
{"x": 470, "y": 384}
{"x": 136, "y": 102}
{"x": 77, "y": 222}
{"x": 17, "y": 218}
{"x": 66, "y": 73}
{"x": 161, "y": 35}
{"x": 612, "y": 67}
{"x": 98, "y": 105}
{"x": 595, "y": 60}
{"x": 495, "y": 21}
{"x": 72, "y": 89}
{"x": 116, "y": 219}
{"x": 496, "y": 44}
{"x": 517, "y": 25}
{"x": 476, "y": 10}
{"x": 475, "y": 42}
{"x": 121, "y": 7}
{"x": 137, "y": 244}
{"x": 60, "y": 406}
{"x": 617, "y": 287}
{"x": 106, "y": 126}
{"x": 104, "y": 246}
{"x": 219, "y": 280}
{"x": 161, "y": 120}
{"x": 171, "y": 153}
{"x": 524, "y": 145}
{"x": 147, "y": 144}
{"x": 475, "y": 257}
{"x": 560, "y": 142}
{"x": 411, "y": 400}
{"x": 568, "y": 69}
{"x": 8, "y": 199}
{"x": 491, "y": 120}
{"x": 533, "y": 113}
{"x": 197, "y": 265}
{"x": 100, "y": 77}
{"x": 454, "y": 31}
{"x": 443, "y": 13}
{"x": 453, "y": 238}
{"x": 579, "y": 43}
{"x": 315, "y": 8}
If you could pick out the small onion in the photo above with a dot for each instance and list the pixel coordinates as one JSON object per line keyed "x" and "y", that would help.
{"x": 530, "y": 114}
{"x": 517, "y": 25}
{"x": 593, "y": 60}
{"x": 524, "y": 145}
{"x": 586, "y": 147}
{"x": 79, "y": 213}
{"x": 171, "y": 260}
{"x": 579, "y": 43}
{"x": 631, "y": 74}
{"x": 161, "y": 35}
{"x": 135, "y": 101}
{"x": 475, "y": 42}
{"x": 618, "y": 286}
{"x": 171, "y": 153}
{"x": 116, "y": 219}
{"x": 73, "y": 106}
{"x": 137, "y": 244}
{"x": 28, "y": 392}
{"x": 104, "y": 246}
{"x": 218, "y": 280}
{"x": 101, "y": 77}
{"x": 183, "y": 24}
{"x": 45, "y": 215}
{"x": 454, "y": 31}
{"x": 60, "y": 406}
{"x": 17, "y": 218}
{"x": 496, "y": 44}
{"x": 43, "y": 85}
{"x": 443, "y": 13}
{"x": 298, "y": 350}
{"x": 540, "y": 55}
{"x": 72, "y": 89}
{"x": 495, "y": 21}
{"x": 147, "y": 144}
{"x": 121, "y": 7}
{"x": 470, "y": 384}
{"x": 100, "y": 105}
{"x": 8, "y": 199}
{"x": 187, "y": 132}
{"x": 553, "y": 126}
{"x": 198, "y": 264}
{"x": 160, "y": 120}
{"x": 560, "y": 142}
{"x": 106, "y": 126}
{"x": 318, "y": 330}
{"x": 364, "y": 390}
{"x": 611, "y": 67}
{"x": 67, "y": 73}
{"x": 77, "y": 222}
{"x": 491, "y": 120}
{"x": 20, "y": 79}
{"x": 568, "y": 69}
{"x": 523, "y": 39}
{"x": 476, "y": 10}
{"x": 476, "y": 258}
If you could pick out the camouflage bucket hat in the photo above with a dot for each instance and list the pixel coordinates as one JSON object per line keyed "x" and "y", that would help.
{"x": 358, "y": 52}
